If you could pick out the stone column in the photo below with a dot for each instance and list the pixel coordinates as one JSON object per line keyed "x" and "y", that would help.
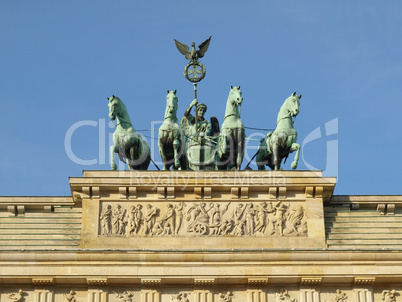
{"x": 97, "y": 291}
{"x": 255, "y": 293}
{"x": 363, "y": 294}
{"x": 363, "y": 289}
{"x": 96, "y": 295}
{"x": 309, "y": 295}
{"x": 202, "y": 295}
{"x": 150, "y": 295}
{"x": 43, "y": 295}
{"x": 308, "y": 292}
{"x": 43, "y": 289}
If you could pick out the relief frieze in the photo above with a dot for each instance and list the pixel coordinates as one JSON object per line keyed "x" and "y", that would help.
{"x": 260, "y": 219}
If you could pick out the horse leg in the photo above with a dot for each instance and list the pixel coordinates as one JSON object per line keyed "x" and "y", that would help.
{"x": 113, "y": 149}
{"x": 295, "y": 147}
{"x": 176, "y": 146}
{"x": 240, "y": 154}
{"x": 260, "y": 157}
{"x": 130, "y": 161}
{"x": 161, "y": 150}
{"x": 239, "y": 157}
{"x": 276, "y": 161}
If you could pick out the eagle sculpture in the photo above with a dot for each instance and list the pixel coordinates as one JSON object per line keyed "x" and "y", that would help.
{"x": 194, "y": 54}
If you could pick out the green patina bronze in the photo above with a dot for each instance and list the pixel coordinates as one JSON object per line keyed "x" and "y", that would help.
{"x": 202, "y": 137}
{"x": 232, "y": 137}
{"x": 282, "y": 141}
{"x": 171, "y": 138}
{"x": 128, "y": 144}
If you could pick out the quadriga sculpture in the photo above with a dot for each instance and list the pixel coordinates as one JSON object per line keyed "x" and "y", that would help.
{"x": 128, "y": 144}
{"x": 232, "y": 137}
{"x": 171, "y": 139}
{"x": 278, "y": 144}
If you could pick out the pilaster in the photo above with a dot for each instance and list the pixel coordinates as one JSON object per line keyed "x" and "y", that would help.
{"x": 150, "y": 295}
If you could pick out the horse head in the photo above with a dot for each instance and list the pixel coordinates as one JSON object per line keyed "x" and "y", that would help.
{"x": 235, "y": 95}
{"x": 233, "y": 103}
{"x": 292, "y": 104}
{"x": 114, "y": 106}
{"x": 171, "y": 105}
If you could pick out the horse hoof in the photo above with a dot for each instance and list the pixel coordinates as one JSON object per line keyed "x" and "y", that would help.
{"x": 114, "y": 166}
{"x": 293, "y": 166}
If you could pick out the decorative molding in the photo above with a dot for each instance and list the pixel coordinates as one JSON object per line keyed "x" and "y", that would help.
{"x": 257, "y": 281}
{"x": 309, "y": 192}
{"x": 48, "y": 209}
{"x": 244, "y": 192}
{"x": 364, "y": 281}
{"x": 207, "y": 192}
{"x": 151, "y": 282}
{"x": 197, "y": 192}
{"x": 97, "y": 281}
{"x": 95, "y": 192}
{"x": 381, "y": 208}
{"x": 234, "y": 193}
{"x": 310, "y": 281}
{"x": 391, "y": 209}
{"x": 20, "y": 210}
{"x": 204, "y": 282}
{"x": 170, "y": 193}
{"x": 86, "y": 192}
{"x": 12, "y": 210}
{"x": 132, "y": 192}
{"x": 319, "y": 192}
{"x": 272, "y": 191}
{"x": 282, "y": 192}
{"x": 123, "y": 192}
{"x": 77, "y": 196}
{"x": 42, "y": 281}
{"x": 161, "y": 192}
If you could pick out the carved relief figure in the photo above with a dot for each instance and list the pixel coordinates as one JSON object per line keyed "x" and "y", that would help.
{"x": 251, "y": 219}
{"x": 117, "y": 221}
{"x": 150, "y": 219}
{"x": 216, "y": 218}
{"x": 157, "y": 228}
{"x": 388, "y": 295}
{"x": 197, "y": 215}
{"x": 261, "y": 217}
{"x": 181, "y": 297}
{"x": 16, "y": 296}
{"x": 294, "y": 220}
{"x": 226, "y": 297}
{"x": 135, "y": 220}
{"x": 279, "y": 218}
{"x": 225, "y": 227}
{"x": 179, "y": 216}
{"x": 169, "y": 218}
{"x": 125, "y": 297}
{"x": 239, "y": 221}
{"x": 70, "y": 297}
{"x": 283, "y": 296}
{"x": 249, "y": 213}
{"x": 105, "y": 220}
{"x": 339, "y": 296}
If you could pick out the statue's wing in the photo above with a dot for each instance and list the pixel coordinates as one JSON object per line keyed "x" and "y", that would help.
{"x": 183, "y": 48}
{"x": 203, "y": 47}
{"x": 215, "y": 130}
{"x": 185, "y": 126}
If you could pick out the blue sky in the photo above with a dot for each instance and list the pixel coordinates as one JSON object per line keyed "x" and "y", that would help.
{"x": 60, "y": 60}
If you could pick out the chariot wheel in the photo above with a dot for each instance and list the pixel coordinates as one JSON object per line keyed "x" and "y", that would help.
{"x": 200, "y": 229}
